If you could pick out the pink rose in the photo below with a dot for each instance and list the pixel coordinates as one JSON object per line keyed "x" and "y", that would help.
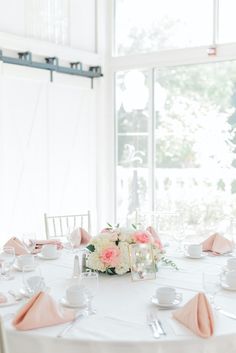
{"x": 142, "y": 237}
{"x": 110, "y": 256}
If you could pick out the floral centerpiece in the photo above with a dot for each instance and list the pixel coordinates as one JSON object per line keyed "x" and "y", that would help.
{"x": 109, "y": 250}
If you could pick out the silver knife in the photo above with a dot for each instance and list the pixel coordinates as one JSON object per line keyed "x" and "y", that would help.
{"x": 226, "y": 313}
{"x": 71, "y": 324}
{"x": 159, "y": 327}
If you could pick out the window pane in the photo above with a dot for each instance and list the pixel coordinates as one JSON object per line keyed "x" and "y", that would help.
{"x": 195, "y": 143}
{"x": 152, "y": 25}
{"x": 227, "y": 12}
{"x": 132, "y": 115}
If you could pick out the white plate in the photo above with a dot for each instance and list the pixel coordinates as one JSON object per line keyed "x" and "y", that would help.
{"x": 64, "y": 302}
{"x": 227, "y": 287}
{"x": 10, "y": 301}
{"x": 29, "y": 269}
{"x": 195, "y": 258}
{"x": 41, "y": 256}
{"x": 175, "y": 303}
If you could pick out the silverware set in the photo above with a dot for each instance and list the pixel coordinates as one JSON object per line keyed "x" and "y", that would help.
{"x": 156, "y": 325}
{"x": 72, "y": 323}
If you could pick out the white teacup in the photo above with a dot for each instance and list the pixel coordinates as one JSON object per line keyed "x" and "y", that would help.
{"x": 194, "y": 250}
{"x": 166, "y": 295}
{"x": 76, "y": 295}
{"x": 231, "y": 264}
{"x": 25, "y": 260}
{"x": 49, "y": 250}
{"x": 229, "y": 278}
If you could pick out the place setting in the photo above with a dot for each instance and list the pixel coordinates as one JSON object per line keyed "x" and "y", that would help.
{"x": 194, "y": 251}
{"x": 49, "y": 252}
{"x": 25, "y": 262}
{"x": 228, "y": 275}
{"x": 167, "y": 298}
{"x": 82, "y": 293}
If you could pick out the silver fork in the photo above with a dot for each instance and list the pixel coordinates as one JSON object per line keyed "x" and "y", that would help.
{"x": 153, "y": 326}
{"x": 158, "y": 324}
{"x": 71, "y": 324}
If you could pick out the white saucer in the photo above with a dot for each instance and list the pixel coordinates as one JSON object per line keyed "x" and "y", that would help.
{"x": 65, "y": 303}
{"x": 227, "y": 287}
{"x": 10, "y": 301}
{"x": 29, "y": 269}
{"x": 195, "y": 258}
{"x": 175, "y": 303}
{"x": 41, "y": 256}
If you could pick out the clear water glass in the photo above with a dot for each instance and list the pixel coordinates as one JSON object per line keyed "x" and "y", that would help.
{"x": 211, "y": 284}
{"x": 70, "y": 239}
{"x": 32, "y": 280}
{"x": 7, "y": 259}
{"x": 89, "y": 280}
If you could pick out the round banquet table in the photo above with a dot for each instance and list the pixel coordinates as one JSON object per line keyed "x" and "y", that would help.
{"x": 120, "y": 324}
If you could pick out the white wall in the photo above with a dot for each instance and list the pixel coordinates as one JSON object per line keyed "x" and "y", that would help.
{"x": 81, "y": 26}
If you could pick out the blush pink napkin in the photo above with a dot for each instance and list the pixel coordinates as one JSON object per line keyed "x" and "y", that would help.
{"x": 41, "y": 311}
{"x": 217, "y": 244}
{"x": 80, "y": 236}
{"x": 20, "y": 248}
{"x": 155, "y": 236}
{"x": 197, "y": 315}
{"x": 38, "y": 244}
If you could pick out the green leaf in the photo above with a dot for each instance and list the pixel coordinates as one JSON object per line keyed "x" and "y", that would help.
{"x": 111, "y": 271}
{"x": 109, "y": 224}
{"x": 91, "y": 247}
{"x": 134, "y": 226}
{"x": 169, "y": 262}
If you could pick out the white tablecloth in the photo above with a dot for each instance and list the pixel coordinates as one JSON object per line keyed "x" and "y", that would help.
{"x": 120, "y": 324}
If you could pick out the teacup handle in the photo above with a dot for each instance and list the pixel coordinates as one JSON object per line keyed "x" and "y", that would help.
{"x": 179, "y": 296}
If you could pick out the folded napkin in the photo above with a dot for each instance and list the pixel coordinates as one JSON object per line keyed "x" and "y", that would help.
{"x": 20, "y": 248}
{"x": 217, "y": 244}
{"x": 197, "y": 315}
{"x": 80, "y": 236}
{"x": 3, "y": 299}
{"x": 155, "y": 236}
{"x": 41, "y": 311}
{"x": 38, "y": 244}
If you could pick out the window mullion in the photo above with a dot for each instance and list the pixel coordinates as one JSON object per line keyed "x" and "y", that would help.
{"x": 215, "y": 22}
{"x": 151, "y": 143}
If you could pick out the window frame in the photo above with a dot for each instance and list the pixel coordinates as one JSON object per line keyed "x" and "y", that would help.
{"x": 151, "y": 62}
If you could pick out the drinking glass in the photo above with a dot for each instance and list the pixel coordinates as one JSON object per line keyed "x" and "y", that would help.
{"x": 29, "y": 239}
{"x": 7, "y": 258}
{"x": 211, "y": 284}
{"x": 178, "y": 232}
{"x": 89, "y": 280}
{"x": 32, "y": 280}
{"x": 71, "y": 240}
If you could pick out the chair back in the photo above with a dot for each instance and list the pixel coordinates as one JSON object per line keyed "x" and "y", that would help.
{"x": 3, "y": 341}
{"x": 58, "y": 226}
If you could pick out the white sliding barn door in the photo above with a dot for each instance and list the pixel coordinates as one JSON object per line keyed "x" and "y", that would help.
{"x": 47, "y": 151}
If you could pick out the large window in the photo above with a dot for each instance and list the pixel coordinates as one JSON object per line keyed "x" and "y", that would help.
{"x": 176, "y": 142}
{"x": 227, "y": 10}
{"x": 133, "y": 116}
{"x": 152, "y": 25}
